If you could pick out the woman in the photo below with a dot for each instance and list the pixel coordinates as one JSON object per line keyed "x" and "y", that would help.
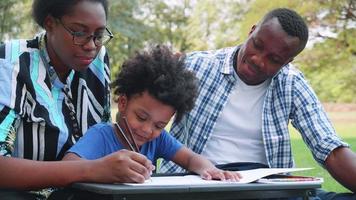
{"x": 53, "y": 88}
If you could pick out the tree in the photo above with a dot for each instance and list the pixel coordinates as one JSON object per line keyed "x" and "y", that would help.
{"x": 168, "y": 22}
{"x": 329, "y": 65}
{"x": 139, "y": 23}
{"x": 11, "y": 13}
{"x": 214, "y": 24}
{"x": 127, "y": 29}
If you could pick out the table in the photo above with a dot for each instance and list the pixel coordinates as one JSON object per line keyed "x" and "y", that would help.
{"x": 195, "y": 192}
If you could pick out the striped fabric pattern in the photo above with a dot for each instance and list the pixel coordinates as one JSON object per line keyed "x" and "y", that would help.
{"x": 34, "y": 116}
{"x": 289, "y": 98}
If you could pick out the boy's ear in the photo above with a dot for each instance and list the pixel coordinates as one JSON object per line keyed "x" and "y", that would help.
{"x": 49, "y": 23}
{"x": 122, "y": 103}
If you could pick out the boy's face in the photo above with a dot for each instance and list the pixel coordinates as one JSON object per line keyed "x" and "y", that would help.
{"x": 145, "y": 115}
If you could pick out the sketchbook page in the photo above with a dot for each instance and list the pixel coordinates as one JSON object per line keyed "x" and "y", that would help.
{"x": 178, "y": 180}
{"x": 247, "y": 177}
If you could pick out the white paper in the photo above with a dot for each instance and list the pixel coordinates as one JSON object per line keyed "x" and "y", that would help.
{"x": 247, "y": 177}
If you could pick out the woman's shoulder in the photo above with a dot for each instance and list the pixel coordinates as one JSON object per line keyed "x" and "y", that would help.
{"x": 14, "y": 50}
{"x": 16, "y": 58}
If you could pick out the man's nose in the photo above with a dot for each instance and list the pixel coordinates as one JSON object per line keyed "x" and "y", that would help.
{"x": 257, "y": 61}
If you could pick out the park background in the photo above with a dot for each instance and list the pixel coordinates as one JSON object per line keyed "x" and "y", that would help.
{"x": 328, "y": 62}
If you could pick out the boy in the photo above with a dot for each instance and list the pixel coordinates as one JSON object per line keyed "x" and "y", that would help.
{"x": 151, "y": 88}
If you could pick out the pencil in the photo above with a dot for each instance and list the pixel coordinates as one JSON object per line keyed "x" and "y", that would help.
{"x": 132, "y": 147}
{"x": 124, "y": 136}
{"x": 131, "y": 135}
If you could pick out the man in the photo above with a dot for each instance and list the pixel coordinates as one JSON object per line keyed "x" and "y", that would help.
{"x": 247, "y": 96}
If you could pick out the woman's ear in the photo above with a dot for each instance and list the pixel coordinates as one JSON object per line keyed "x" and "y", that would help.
{"x": 122, "y": 103}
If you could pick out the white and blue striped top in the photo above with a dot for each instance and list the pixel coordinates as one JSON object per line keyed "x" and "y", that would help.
{"x": 35, "y": 116}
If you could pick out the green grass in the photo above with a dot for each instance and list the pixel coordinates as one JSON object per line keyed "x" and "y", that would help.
{"x": 345, "y": 125}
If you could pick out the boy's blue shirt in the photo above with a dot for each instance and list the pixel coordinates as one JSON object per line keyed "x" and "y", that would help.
{"x": 101, "y": 140}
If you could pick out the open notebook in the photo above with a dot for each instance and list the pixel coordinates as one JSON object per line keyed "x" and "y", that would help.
{"x": 248, "y": 176}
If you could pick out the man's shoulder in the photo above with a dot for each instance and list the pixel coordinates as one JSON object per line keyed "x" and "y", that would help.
{"x": 211, "y": 54}
{"x": 210, "y": 57}
{"x": 290, "y": 75}
{"x": 290, "y": 71}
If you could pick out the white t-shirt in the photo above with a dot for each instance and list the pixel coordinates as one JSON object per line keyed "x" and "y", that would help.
{"x": 237, "y": 135}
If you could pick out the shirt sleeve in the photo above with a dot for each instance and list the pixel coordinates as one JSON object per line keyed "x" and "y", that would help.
{"x": 8, "y": 115}
{"x": 312, "y": 122}
{"x": 97, "y": 142}
{"x": 167, "y": 146}
{"x": 7, "y": 131}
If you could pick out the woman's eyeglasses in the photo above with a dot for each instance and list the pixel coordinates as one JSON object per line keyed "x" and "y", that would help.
{"x": 81, "y": 38}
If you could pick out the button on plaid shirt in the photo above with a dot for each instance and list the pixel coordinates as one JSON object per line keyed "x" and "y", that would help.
{"x": 288, "y": 98}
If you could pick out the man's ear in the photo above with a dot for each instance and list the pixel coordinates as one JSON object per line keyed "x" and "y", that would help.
{"x": 290, "y": 60}
{"x": 49, "y": 23}
{"x": 252, "y": 29}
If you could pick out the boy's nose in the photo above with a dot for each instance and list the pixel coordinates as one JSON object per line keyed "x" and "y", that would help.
{"x": 147, "y": 128}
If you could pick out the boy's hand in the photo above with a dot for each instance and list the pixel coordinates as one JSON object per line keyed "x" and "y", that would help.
{"x": 125, "y": 166}
{"x": 218, "y": 174}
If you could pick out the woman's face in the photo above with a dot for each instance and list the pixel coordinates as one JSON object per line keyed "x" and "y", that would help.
{"x": 87, "y": 17}
{"x": 145, "y": 115}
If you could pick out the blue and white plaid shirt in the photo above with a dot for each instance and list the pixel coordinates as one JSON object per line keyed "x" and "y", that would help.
{"x": 289, "y": 97}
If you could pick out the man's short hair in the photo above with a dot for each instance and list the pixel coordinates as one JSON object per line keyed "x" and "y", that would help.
{"x": 291, "y": 22}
